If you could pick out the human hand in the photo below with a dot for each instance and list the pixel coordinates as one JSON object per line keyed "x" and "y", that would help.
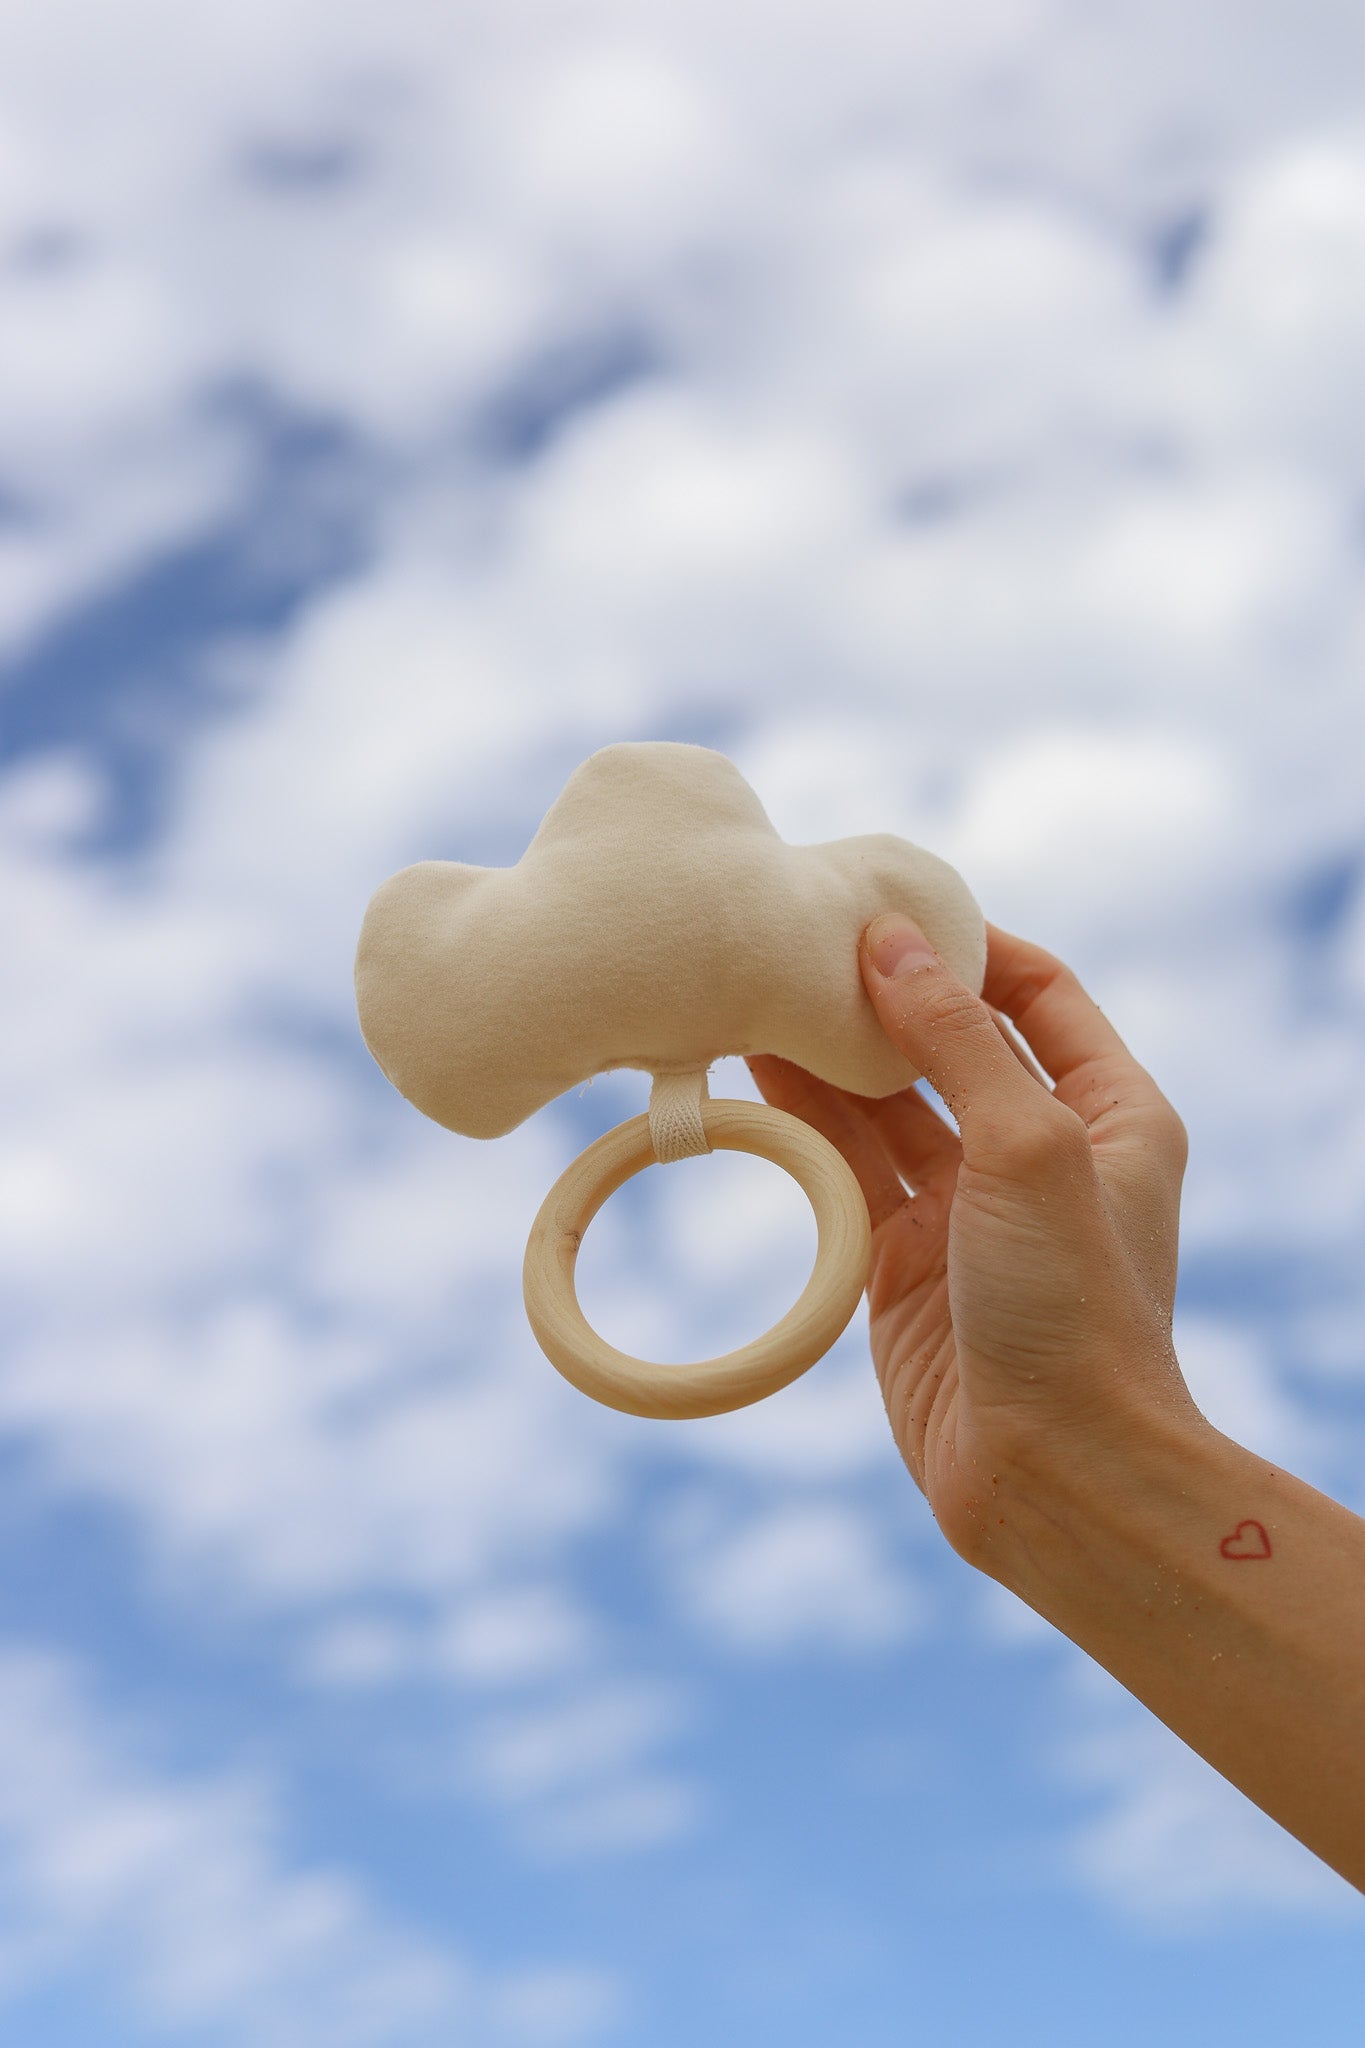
{"x": 1020, "y": 1303}
{"x": 1020, "y": 1294}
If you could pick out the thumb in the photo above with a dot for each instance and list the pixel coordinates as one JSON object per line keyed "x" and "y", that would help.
{"x": 1008, "y": 1123}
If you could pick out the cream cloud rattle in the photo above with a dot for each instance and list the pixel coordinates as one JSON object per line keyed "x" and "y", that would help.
{"x": 656, "y": 921}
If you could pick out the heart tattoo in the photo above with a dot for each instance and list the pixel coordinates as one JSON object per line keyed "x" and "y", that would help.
{"x": 1248, "y": 1539}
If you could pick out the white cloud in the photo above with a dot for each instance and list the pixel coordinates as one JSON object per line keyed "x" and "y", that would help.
{"x": 1234, "y": 1383}
{"x": 622, "y": 142}
{"x": 282, "y": 1461}
{"x": 532, "y": 1752}
{"x": 1327, "y": 1340}
{"x": 358, "y": 1650}
{"x": 1152, "y": 809}
{"x": 795, "y": 1577}
{"x": 579, "y": 1776}
{"x": 619, "y": 1819}
{"x": 181, "y": 1891}
{"x": 827, "y": 1426}
{"x": 554, "y": 2008}
{"x": 500, "y": 1637}
{"x": 1350, "y": 949}
{"x": 504, "y": 1637}
{"x": 1266, "y": 356}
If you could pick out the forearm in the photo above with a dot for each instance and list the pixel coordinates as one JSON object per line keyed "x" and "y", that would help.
{"x": 1256, "y": 1660}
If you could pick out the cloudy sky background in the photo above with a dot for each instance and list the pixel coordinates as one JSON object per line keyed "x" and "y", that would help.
{"x": 954, "y": 416}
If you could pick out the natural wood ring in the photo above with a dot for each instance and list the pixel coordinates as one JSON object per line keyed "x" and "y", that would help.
{"x": 714, "y": 1385}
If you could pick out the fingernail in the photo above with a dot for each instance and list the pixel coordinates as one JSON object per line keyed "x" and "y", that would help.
{"x": 896, "y": 946}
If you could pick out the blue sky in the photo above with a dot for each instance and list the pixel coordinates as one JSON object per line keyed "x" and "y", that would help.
{"x": 955, "y": 420}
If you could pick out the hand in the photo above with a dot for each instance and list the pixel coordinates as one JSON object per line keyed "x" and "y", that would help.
{"x": 1023, "y": 1273}
{"x": 1020, "y": 1292}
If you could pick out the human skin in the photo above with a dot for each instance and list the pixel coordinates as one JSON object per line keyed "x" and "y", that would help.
{"x": 1020, "y": 1295}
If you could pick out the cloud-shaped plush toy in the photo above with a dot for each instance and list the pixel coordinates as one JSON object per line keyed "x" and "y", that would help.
{"x": 656, "y": 921}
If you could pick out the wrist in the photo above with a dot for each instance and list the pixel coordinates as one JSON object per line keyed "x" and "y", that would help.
{"x": 1222, "y": 1591}
{"x": 1097, "y": 1531}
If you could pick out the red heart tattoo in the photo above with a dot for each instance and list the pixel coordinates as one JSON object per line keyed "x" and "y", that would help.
{"x": 1248, "y": 1539}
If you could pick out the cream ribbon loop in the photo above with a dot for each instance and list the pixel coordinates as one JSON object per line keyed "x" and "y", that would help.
{"x": 675, "y": 1120}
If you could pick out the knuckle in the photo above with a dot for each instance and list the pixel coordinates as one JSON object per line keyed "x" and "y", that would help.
{"x": 1054, "y": 973}
{"x": 1071, "y": 1132}
{"x": 1039, "y": 972}
{"x": 953, "y": 1007}
{"x": 1047, "y": 1137}
{"x": 1172, "y": 1135}
{"x": 944, "y": 1016}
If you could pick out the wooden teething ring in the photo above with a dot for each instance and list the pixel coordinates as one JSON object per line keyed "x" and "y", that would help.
{"x": 714, "y": 1385}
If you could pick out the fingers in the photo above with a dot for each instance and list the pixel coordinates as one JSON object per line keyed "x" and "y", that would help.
{"x": 1021, "y": 1052}
{"x": 925, "y": 1151}
{"x": 786, "y": 1086}
{"x": 1064, "y": 1026}
{"x": 1006, "y": 1119}
{"x": 1094, "y": 1072}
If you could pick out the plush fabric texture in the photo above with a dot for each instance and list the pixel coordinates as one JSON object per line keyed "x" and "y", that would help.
{"x": 656, "y": 921}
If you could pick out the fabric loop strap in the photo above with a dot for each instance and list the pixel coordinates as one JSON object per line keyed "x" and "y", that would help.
{"x": 675, "y": 1120}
